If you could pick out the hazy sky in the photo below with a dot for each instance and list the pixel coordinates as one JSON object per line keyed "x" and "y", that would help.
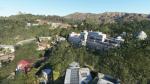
{"x": 64, "y": 7}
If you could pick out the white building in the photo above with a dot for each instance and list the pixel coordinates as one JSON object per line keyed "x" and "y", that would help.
{"x": 105, "y": 79}
{"x": 44, "y": 38}
{"x": 84, "y": 76}
{"x": 29, "y": 24}
{"x": 96, "y": 40}
{"x": 77, "y": 75}
{"x": 35, "y": 24}
{"x": 84, "y": 36}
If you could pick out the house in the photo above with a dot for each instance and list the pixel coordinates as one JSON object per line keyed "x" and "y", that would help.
{"x": 42, "y": 22}
{"x": 84, "y": 76}
{"x": 106, "y": 79}
{"x": 44, "y": 38}
{"x": 7, "y": 53}
{"x": 142, "y": 35}
{"x": 59, "y": 38}
{"x": 29, "y": 25}
{"x": 24, "y": 65}
{"x": 75, "y": 26}
{"x": 77, "y": 75}
{"x": 37, "y": 23}
{"x": 46, "y": 73}
{"x": 55, "y": 25}
{"x": 60, "y": 25}
{"x": 43, "y": 43}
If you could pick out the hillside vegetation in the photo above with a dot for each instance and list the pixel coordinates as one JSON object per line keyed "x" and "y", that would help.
{"x": 130, "y": 63}
{"x": 107, "y": 17}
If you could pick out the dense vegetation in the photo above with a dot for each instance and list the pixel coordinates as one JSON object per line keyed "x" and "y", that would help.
{"x": 130, "y": 63}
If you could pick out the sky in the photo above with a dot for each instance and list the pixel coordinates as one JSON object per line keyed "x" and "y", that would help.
{"x": 64, "y": 7}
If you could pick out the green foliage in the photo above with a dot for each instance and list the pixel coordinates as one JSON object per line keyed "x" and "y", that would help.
{"x": 130, "y": 63}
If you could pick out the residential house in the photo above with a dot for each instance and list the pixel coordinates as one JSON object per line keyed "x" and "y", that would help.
{"x": 38, "y": 22}
{"x": 7, "y": 53}
{"x": 44, "y": 75}
{"x": 60, "y": 25}
{"x": 29, "y": 25}
{"x": 42, "y": 22}
{"x": 106, "y": 79}
{"x": 44, "y": 38}
{"x": 59, "y": 38}
{"x": 45, "y": 79}
{"x": 84, "y": 76}
{"x": 43, "y": 43}
{"x": 24, "y": 65}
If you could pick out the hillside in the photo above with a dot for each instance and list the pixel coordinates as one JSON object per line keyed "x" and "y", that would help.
{"x": 130, "y": 62}
{"x": 108, "y": 17}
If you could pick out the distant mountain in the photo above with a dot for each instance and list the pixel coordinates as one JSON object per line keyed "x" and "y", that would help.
{"x": 31, "y": 18}
{"x": 108, "y": 17}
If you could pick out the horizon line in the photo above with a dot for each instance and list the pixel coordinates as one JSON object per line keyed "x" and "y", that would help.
{"x": 20, "y": 12}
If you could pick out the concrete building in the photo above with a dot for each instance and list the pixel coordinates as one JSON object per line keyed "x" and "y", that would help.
{"x": 75, "y": 38}
{"x": 44, "y": 38}
{"x": 77, "y": 75}
{"x": 95, "y": 40}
